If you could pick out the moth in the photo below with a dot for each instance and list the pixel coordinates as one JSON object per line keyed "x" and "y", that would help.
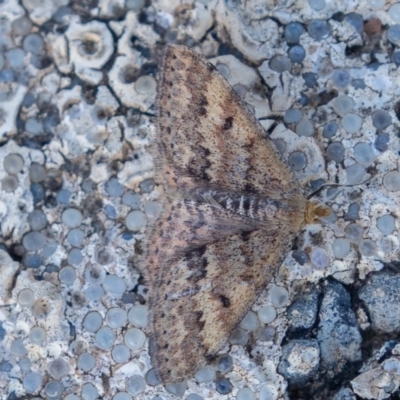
{"x": 231, "y": 209}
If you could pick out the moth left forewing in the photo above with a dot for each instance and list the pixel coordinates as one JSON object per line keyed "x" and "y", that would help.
{"x": 207, "y": 293}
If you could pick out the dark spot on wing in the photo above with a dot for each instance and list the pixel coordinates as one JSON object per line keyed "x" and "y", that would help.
{"x": 203, "y": 100}
{"x": 198, "y": 315}
{"x": 246, "y": 203}
{"x": 224, "y": 301}
{"x": 202, "y": 111}
{"x": 228, "y": 123}
{"x": 246, "y": 236}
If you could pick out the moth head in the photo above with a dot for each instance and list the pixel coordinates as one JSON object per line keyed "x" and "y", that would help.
{"x": 315, "y": 212}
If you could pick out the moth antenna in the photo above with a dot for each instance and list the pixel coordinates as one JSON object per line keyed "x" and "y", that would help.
{"x": 315, "y": 192}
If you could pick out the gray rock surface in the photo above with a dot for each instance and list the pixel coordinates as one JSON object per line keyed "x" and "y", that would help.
{"x": 338, "y": 335}
{"x": 381, "y": 296}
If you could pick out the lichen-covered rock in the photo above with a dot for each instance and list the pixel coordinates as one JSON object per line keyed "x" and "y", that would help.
{"x": 381, "y": 296}
{"x": 338, "y": 334}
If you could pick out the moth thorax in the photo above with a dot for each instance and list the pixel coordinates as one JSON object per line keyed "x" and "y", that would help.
{"x": 316, "y": 211}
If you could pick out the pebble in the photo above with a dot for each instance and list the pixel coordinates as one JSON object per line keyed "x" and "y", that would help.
{"x": 75, "y": 237}
{"x": 72, "y": 217}
{"x": 355, "y": 174}
{"x": 94, "y": 292}
{"x": 297, "y": 54}
{"x": 75, "y": 257}
{"x": 138, "y": 316}
{"x": 224, "y": 363}
{"x": 146, "y": 85}
{"x": 356, "y": 20}
{"x": 37, "y": 220}
{"x": 391, "y": 181}
{"x": 223, "y": 386}
{"x": 67, "y": 275}
{"x": 329, "y": 130}
{"x": 135, "y": 385}
{"x": 341, "y": 78}
{"x": 205, "y": 374}
{"x": 37, "y": 173}
{"x": 381, "y": 296}
{"x": 341, "y": 248}
{"x": 300, "y": 256}
{"x": 352, "y": 123}
{"x": 26, "y": 297}
{"x": 335, "y": 152}
{"x": 89, "y": 392}
{"x": 86, "y": 362}
{"x": 292, "y": 115}
{"x": 177, "y": 389}
{"x": 59, "y": 368}
{"x": 293, "y": 31}
{"x": 105, "y": 338}
{"x": 135, "y": 220}
{"x": 343, "y": 104}
{"x": 238, "y": 337}
{"x": 37, "y": 335}
{"x": 300, "y": 361}
{"x": 114, "y": 188}
{"x": 381, "y": 141}
{"x": 394, "y": 12}
{"x": 152, "y": 378}
{"x": 297, "y": 160}
{"x": 280, "y": 63}
{"x": 319, "y": 258}
{"x": 305, "y": 128}
{"x": 33, "y": 241}
{"x": 363, "y": 153}
{"x": 92, "y": 321}
{"x": 147, "y": 185}
{"x": 116, "y": 317}
{"x": 302, "y": 313}
{"x": 367, "y": 248}
{"x": 114, "y": 285}
{"x": 393, "y": 34}
{"x": 32, "y": 382}
{"x": 13, "y": 163}
{"x": 279, "y": 296}
{"x": 250, "y": 322}
{"x": 17, "y": 348}
{"x": 319, "y": 29}
{"x": 245, "y": 394}
{"x": 54, "y": 390}
{"x": 354, "y": 232}
{"x": 63, "y": 196}
{"x": 121, "y": 353}
{"x": 134, "y": 338}
{"x": 267, "y": 314}
{"x": 352, "y": 212}
{"x": 381, "y": 119}
{"x": 386, "y": 224}
{"x": 194, "y": 396}
{"x": 131, "y": 200}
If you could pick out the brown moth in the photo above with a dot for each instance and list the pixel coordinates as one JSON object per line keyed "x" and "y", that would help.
{"x": 232, "y": 208}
